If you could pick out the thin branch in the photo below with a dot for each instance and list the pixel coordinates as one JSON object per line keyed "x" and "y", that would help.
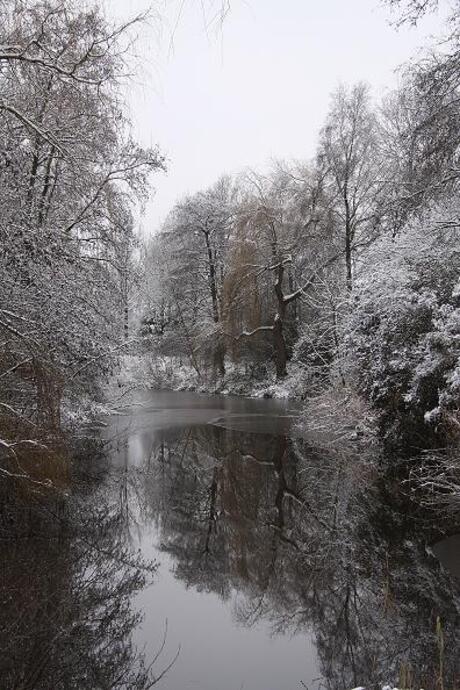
{"x": 34, "y": 127}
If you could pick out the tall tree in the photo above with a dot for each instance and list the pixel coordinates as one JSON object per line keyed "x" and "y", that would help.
{"x": 198, "y": 230}
{"x": 283, "y": 218}
{"x": 348, "y": 157}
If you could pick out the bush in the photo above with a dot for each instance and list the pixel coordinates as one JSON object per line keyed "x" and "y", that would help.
{"x": 403, "y": 334}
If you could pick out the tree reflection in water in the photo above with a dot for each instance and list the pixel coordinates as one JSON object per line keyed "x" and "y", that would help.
{"x": 311, "y": 541}
{"x": 66, "y": 589}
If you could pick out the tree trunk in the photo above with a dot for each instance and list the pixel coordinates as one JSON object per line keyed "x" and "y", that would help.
{"x": 279, "y": 342}
{"x": 348, "y": 245}
{"x": 279, "y": 345}
{"x": 348, "y": 261}
{"x": 46, "y": 187}
{"x": 125, "y": 302}
{"x": 219, "y": 352}
{"x": 219, "y": 359}
{"x": 212, "y": 280}
{"x": 126, "y": 321}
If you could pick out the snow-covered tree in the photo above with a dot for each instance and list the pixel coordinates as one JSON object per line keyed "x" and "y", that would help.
{"x": 404, "y": 328}
{"x": 69, "y": 176}
{"x": 349, "y": 159}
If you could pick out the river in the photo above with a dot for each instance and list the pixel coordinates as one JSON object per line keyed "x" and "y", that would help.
{"x": 209, "y": 539}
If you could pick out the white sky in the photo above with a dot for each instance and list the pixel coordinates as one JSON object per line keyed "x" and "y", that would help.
{"x": 258, "y": 88}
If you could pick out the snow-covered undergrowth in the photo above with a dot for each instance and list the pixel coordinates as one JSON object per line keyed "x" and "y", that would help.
{"x": 77, "y": 413}
{"x": 159, "y": 372}
{"x": 403, "y": 333}
{"x": 339, "y": 419}
{"x": 386, "y": 687}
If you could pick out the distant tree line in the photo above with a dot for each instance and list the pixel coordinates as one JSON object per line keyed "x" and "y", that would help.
{"x": 343, "y": 269}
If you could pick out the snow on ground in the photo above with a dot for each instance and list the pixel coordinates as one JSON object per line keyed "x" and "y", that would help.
{"x": 154, "y": 372}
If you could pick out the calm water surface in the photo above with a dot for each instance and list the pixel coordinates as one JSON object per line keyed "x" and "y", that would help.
{"x": 209, "y": 512}
{"x": 209, "y": 530}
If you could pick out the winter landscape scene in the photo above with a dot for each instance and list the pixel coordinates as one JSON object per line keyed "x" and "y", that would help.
{"x": 230, "y": 345}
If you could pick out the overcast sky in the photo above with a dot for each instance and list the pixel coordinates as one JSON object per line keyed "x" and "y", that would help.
{"x": 220, "y": 101}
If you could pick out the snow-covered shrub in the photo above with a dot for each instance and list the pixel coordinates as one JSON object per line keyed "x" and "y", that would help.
{"x": 315, "y": 349}
{"x": 152, "y": 371}
{"x": 340, "y": 421}
{"x": 403, "y": 334}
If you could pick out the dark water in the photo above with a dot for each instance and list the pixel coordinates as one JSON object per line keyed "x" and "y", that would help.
{"x": 209, "y": 530}
{"x": 209, "y": 509}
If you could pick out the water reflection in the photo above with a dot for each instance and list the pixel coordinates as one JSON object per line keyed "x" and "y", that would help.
{"x": 311, "y": 542}
{"x": 66, "y": 589}
{"x": 279, "y": 566}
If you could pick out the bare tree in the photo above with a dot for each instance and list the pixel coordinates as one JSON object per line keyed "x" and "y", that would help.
{"x": 198, "y": 231}
{"x": 283, "y": 218}
{"x": 348, "y": 157}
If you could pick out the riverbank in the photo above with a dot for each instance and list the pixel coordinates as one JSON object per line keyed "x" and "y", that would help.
{"x": 335, "y": 418}
{"x": 170, "y": 373}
